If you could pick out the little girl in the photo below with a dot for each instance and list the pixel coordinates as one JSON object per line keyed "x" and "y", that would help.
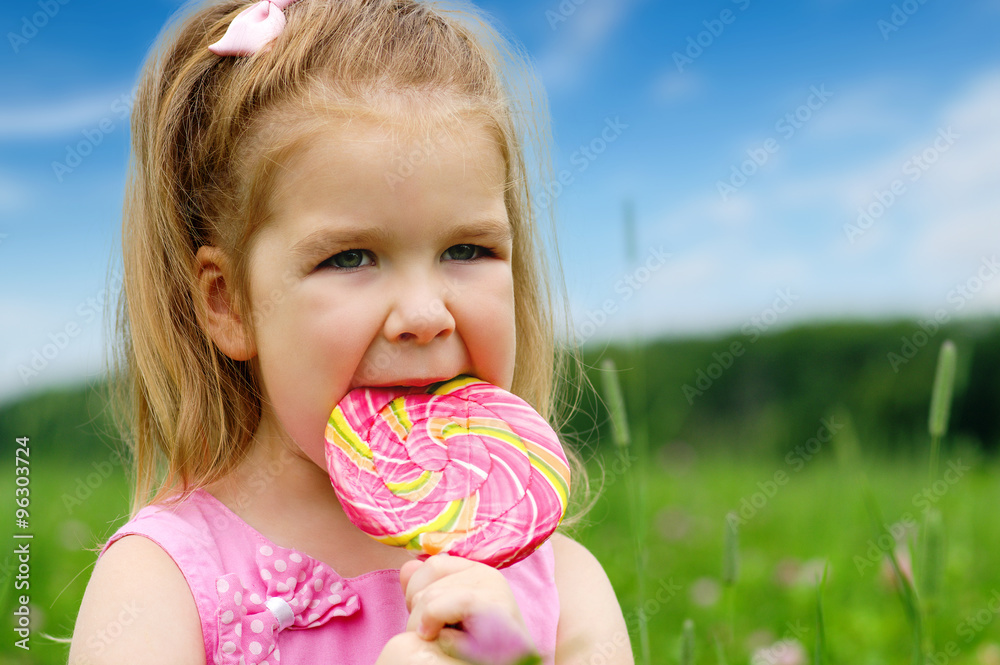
{"x": 325, "y": 195}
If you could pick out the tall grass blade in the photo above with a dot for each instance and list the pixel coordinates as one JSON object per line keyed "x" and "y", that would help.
{"x": 846, "y": 447}
{"x": 616, "y": 404}
{"x": 720, "y": 653}
{"x": 731, "y": 551}
{"x": 930, "y": 566}
{"x": 819, "y": 655}
{"x": 944, "y": 384}
{"x": 848, "y": 451}
{"x": 628, "y": 227}
{"x": 937, "y": 420}
{"x": 904, "y": 587}
{"x": 731, "y": 568}
{"x": 933, "y": 560}
{"x": 687, "y": 643}
{"x": 622, "y": 439}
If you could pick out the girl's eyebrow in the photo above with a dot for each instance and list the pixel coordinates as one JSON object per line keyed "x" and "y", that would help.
{"x": 320, "y": 241}
{"x": 494, "y": 230}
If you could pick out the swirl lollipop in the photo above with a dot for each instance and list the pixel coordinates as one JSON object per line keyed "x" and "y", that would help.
{"x": 462, "y": 467}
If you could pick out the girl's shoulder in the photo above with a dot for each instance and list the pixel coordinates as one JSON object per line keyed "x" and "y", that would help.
{"x": 137, "y": 608}
{"x": 590, "y": 617}
{"x": 241, "y": 591}
{"x": 200, "y": 534}
{"x": 147, "y": 592}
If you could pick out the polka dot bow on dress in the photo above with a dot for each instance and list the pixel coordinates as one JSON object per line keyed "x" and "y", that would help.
{"x": 300, "y": 593}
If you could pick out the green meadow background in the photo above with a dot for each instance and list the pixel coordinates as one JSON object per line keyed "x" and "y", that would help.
{"x": 778, "y": 430}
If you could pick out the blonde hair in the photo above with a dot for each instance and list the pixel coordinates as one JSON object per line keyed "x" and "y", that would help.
{"x": 208, "y": 135}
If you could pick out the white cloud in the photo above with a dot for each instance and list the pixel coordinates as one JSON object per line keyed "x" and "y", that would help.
{"x": 578, "y": 38}
{"x": 935, "y": 234}
{"x": 680, "y": 287}
{"x": 868, "y": 109}
{"x": 672, "y": 86}
{"x": 735, "y": 212}
{"x": 785, "y": 228}
{"x": 42, "y": 349}
{"x": 13, "y": 194}
{"x": 68, "y": 116}
{"x": 948, "y": 210}
{"x": 960, "y": 195}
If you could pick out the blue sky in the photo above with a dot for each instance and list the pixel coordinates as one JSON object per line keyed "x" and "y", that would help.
{"x": 747, "y": 136}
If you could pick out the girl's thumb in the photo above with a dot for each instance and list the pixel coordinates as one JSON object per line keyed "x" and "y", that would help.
{"x": 406, "y": 572}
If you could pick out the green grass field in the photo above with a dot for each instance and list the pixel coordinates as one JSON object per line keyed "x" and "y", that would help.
{"x": 791, "y": 526}
{"x": 787, "y": 533}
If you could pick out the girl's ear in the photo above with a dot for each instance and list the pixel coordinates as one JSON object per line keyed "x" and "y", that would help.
{"x": 217, "y": 312}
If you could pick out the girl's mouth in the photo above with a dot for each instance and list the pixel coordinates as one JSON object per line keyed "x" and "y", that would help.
{"x": 411, "y": 383}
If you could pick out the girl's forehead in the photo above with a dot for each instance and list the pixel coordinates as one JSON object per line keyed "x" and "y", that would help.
{"x": 370, "y": 167}
{"x": 412, "y": 131}
{"x": 411, "y": 111}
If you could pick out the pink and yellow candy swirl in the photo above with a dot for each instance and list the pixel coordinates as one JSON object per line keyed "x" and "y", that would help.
{"x": 462, "y": 467}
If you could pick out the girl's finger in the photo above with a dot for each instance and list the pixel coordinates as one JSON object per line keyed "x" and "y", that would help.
{"x": 433, "y": 569}
{"x": 408, "y": 648}
{"x": 406, "y": 572}
{"x": 436, "y": 610}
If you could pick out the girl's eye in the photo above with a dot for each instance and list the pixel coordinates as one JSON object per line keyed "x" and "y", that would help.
{"x": 466, "y": 252}
{"x": 353, "y": 258}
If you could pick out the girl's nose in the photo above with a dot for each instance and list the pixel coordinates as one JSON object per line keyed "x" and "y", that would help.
{"x": 419, "y": 316}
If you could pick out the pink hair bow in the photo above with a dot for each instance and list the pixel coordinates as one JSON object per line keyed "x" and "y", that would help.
{"x": 253, "y": 29}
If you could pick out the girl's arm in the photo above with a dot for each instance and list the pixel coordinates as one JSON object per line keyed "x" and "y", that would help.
{"x": 137, "y": 610}
{"x": 590, "y": 618}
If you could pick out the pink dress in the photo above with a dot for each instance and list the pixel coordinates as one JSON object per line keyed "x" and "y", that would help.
{"x": 261, "y": 603}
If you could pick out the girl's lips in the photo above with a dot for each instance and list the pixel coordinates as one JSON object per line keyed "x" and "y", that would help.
{"x": 410, "y": 383}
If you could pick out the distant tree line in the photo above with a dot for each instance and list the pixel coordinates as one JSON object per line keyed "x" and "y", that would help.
{"x": 742, "y": 392}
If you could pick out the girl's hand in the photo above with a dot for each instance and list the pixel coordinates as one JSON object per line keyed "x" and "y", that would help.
{"x": 408, "y": 649}
{"x": 445, "y": 591}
